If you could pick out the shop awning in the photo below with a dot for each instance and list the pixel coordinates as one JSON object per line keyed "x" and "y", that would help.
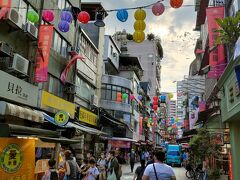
{"x": 8, "y": 109}
{"x": 121, "y": 139}
{"x": 61, "y": 140}
{"x": 204, "y": 115}
{"x": 85, "y": 128}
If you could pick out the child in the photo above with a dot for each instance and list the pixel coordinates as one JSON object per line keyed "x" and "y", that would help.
{"x": 51, "y": 173}
{"x": 92, "y": 172}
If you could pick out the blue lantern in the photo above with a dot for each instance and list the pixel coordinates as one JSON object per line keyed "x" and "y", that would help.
{"x": 122, "y": 15}
{"x": 66, "y": 16}
{"x": 172, "y": 121}
{"x": 63, "y": 26}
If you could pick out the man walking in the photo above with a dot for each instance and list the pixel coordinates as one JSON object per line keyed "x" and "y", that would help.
{"x": 159, "y": 170}
{"x": 132, "y": 159}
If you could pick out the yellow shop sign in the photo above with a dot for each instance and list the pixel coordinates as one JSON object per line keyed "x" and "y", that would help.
{"x": 51, "y": 101}
{"x": 87, "y": 117}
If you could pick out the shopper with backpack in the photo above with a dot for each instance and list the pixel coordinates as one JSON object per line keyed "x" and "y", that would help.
{"x": 139, "y": 171}
{"x": 51, "y": 173}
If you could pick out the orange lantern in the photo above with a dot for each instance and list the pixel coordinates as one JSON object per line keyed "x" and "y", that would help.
{"x": 140, "y": 14}
{"x": 138, "y": 36}
{"x": 176, "y": 3}
{"x": 139, "y": 25}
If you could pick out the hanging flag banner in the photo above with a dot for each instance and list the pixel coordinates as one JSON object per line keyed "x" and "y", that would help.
{"x": 17, "y": 158}
{"x": 140, "y": 125}
{"x": 63, "y": 77}
{"x": 217, "y": 60}
{"x": 43, "y": 52}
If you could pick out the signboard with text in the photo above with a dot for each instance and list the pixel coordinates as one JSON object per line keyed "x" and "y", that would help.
{"x": 119, "y": 144}
{"x": 87, "y": 117}
{"x": 17, "y": 158}
{"x": 17, "y": 90}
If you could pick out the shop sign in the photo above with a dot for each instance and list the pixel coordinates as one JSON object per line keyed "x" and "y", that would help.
{"x": 17, "y": 158}
{"x": 17, "y": 90}
{"x": 53, "y": 103}
{"x": 119, "y": 144}
{"x": 61, "y": 118}
{"x": 87, "y": 117}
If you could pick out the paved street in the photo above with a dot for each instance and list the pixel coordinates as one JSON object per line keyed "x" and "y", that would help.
{"x": 127, "y": 175}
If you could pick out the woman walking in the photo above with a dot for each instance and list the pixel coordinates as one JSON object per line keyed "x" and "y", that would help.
{"x": 102, "y": 162}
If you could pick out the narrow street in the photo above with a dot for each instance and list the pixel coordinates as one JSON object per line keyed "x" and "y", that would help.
{"x": 127, "y": 175}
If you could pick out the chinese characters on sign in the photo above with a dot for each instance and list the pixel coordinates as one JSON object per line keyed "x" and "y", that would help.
{"x": 87, "y": 117}
{"x": 44, "y": 43}
{"x": 17, "y": 89}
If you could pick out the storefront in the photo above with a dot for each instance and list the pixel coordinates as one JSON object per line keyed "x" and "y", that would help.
{"x": 230, "y": 112}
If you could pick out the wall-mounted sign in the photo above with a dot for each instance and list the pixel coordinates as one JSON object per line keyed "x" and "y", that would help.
{"x": 17, "y": 158}
{"x": 61, "y": 118}
{"x": 17, "y": 90}
{"x": 87, "y": 117}
{"x": 119, "y": 144}
{"x": 53, "y": 103}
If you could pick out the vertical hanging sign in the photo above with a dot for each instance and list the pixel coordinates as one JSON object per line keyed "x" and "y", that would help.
{"x": 42, "y": 56}
{"x": 141, "y": 125}
{"x": 230, "y": 166}
{"x": 216, "y": 57}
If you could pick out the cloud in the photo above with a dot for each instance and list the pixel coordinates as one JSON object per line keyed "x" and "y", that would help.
{"x": 175, "y": 27}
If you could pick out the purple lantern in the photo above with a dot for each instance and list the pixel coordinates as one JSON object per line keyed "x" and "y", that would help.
{"x": 63, "y": 26}
{"x": 158, "y": 9}
{"x": 66, "y": 16}
{"x": 48, "y": 15}
{"x": 140, "y": 97}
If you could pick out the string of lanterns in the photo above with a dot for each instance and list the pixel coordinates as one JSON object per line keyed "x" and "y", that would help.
{"x": 83, "y": 17}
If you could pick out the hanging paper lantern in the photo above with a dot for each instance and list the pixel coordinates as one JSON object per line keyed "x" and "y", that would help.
{"x": 158, "y": 9}
{"x": 32, "y": 16}
{"x": 124, "y": 96}
{"x": 170, "y": 95}
{"x": 138, "y": 36}
{"x": 140, "y": 14}
{"x": 139, "y": 25}
{"x": 140, "y": 97}
{"x": 83, "y": 17}
{"x": 63, "y": 26}
{"x": 48, "y": 15}
{"x": 132, "y": 97}
{"x": 155, "y": 98}
{"x": 119, "y": 99}
{"x": 176, "y": 3}
{"x": 66, "y": 16}
{"x": 155, "y": 102}
{"x": 122, "y": 15}
{"x": 150, "y": 120}
{"x": 155, "y": 107}
{"x": 119, "y": 95}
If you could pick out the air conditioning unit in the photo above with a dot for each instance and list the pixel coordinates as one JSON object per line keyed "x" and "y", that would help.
{"x": 19, "y": 64}
{"x": 14, "y": 18}
{"x": 5, "y": 50}
{"x": 94, "y": 100}
{"x": 31, "y": 30}
{"x": 70, "y": 90}
{"x": 73, "y": 50}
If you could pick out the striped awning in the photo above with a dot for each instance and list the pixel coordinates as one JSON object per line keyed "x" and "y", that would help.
{"x": 8, "y": 109}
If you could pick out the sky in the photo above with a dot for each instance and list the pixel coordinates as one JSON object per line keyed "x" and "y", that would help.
{"x": 174, "y": 27}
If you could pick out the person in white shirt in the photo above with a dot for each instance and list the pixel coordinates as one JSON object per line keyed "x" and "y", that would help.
{"x": 158, "y": 170}
{"x": 92, "y": 172}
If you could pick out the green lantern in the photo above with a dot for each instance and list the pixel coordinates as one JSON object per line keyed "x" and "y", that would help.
{"x": 150, "y": 120}
{"x": 124, "y": 96}
{"x": 32, "y": 16}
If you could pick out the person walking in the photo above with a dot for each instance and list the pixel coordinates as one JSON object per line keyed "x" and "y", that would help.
{"x": 90, "y": 155}
{"x": 113, "y": 167}
{"x": 132, "y": 159}
{"x": 92, "y": 172}
{"x": 158, "y": 170}
{"x": 101, "y": 163}
{"x": 139, "y": 171}
{"x": 72, "y": 167}
{"x": 146, "y": 155}
{"x": 51, "y": 173}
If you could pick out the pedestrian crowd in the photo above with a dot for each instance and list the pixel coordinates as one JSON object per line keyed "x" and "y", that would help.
{"x": 107, "y": 167}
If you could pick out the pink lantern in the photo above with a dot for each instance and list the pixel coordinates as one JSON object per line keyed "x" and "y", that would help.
{"x": 48, "y": 15}
{"x": 132, "y": 97}
{"x": 158, "y": 9}
{"x": 83, "y": 17}
{"x": 155, "y": 107}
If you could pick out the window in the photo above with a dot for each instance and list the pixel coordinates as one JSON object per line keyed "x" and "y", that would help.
{"x": 109, "y": 92}
{"x": 59, "y": 44}
{"x": 62, "y": 4}
{"x": 55, "y": 87}
{"x": 84, "y": 90}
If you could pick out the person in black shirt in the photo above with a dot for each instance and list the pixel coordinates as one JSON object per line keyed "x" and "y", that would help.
{"x": 139, "y": 171}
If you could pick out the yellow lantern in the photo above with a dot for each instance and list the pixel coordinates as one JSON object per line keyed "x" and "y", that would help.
{"x": 138, "y": 36}
{"x": 139, "y": 25}
{"x": 140, "y": 14}
{"x": 170, "y": 95}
